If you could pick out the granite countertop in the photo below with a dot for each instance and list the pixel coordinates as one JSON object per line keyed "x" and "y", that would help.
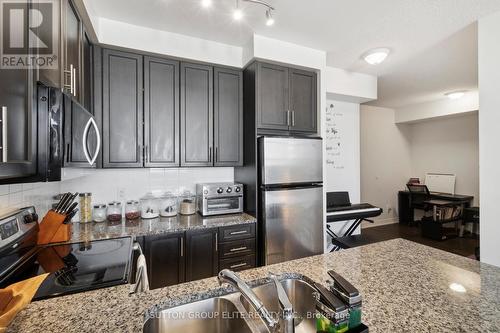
{"x": 405, "y": 288}
{"x": 84, "y": 232}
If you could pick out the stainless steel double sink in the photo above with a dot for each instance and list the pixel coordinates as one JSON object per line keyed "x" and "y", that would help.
{"x": 232, "y": 313}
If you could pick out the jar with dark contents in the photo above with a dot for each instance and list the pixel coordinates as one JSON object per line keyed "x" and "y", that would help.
{"x": 114, "y": 211}
{"x": 132, "y": 210}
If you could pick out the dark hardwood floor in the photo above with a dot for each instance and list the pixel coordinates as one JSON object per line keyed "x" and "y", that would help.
{"x": 464, "y": 246}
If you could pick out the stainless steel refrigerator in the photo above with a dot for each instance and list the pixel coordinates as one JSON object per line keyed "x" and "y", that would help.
{"x": 290, "y": 198}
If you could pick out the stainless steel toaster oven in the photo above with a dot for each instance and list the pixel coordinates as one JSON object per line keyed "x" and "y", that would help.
{"x": 219, "y": 198}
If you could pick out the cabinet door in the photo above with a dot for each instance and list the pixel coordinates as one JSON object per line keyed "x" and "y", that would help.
{"x": 303, "y": 101}
{"x": 86, "y": 77}
{"x": 122, "y": 109}
{"x": 196, "y": 115}
{"x": 72, "y": 42}
{"x": 272, "y": 97}
{"x": 18, "y": 131}
{"x": 165, "y": 259}
{"x": 201, "y": 254}
{"x": 228, "y": 117}
{"x": 161, "y": 112}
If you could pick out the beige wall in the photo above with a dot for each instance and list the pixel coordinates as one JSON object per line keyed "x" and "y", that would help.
{"x": 448, "y": 145}
{"x": 385, "y": 160}
{"x": 391, "y": 154}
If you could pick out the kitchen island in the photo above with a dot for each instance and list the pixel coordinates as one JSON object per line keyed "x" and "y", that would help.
{"x": 406, "y": 287}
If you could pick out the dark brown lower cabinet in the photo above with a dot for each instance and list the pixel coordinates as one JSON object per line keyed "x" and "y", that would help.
{"x": 165, "y": 259}
{"x": 202, "y": 260}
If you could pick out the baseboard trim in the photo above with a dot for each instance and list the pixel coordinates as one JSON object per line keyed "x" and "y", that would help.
{"x": 379, "y": 222}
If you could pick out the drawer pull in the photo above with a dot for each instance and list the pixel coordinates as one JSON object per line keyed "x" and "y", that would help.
{"x": 238, "y": 265}
{"x": 238, "y": 249}
{"x": 238, "y": 232}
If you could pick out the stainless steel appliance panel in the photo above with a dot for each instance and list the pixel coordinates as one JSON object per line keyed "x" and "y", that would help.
{"x": 290, "y": 160}
{"x": 219, "y": 198}
{"x": 293, "y": 223}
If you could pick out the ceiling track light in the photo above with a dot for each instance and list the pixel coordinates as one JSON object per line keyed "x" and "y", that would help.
{"x": 238, "y": 13}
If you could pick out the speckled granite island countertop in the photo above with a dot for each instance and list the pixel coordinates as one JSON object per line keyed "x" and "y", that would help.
{"x": 83, "y": 232}
{"x": 405, "y": 288}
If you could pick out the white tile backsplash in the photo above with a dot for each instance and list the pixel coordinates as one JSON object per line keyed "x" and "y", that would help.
{"x": 107, "y": 185}
{"x": 34, "y": 194}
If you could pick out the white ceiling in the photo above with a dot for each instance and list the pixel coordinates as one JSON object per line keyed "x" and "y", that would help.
{"x": 433, "y": 42}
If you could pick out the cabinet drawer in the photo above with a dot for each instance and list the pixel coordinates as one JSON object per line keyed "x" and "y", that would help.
{"x": 238, "y": 264}
{"x": 237, "y": 232}
{"x": 237, "y": 248}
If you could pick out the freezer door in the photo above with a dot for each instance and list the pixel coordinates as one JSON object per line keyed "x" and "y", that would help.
{"x": 290, "y": 160}
{"x": 292, "y": 223}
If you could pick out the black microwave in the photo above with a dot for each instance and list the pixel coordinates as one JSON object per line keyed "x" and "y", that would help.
{"x": 68, "y": 134}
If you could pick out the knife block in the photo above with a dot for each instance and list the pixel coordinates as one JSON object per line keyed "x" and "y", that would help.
{"x": 53, "y": 229}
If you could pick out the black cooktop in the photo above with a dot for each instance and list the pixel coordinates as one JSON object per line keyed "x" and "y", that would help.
{"x": 76, "y": 267}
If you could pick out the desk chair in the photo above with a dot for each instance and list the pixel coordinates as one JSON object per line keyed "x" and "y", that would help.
{"x": 419, "y": 195}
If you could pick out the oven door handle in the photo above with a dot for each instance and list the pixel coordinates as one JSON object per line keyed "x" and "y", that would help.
{"x": 224, "y": 197}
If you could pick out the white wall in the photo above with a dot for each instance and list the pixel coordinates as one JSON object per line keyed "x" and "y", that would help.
{"x": 489, "y": 136}
{"x": 350, "y": 86}
{"x": 438, "y": 109}
{"x": 385, "y": 160}
{"x": 151, "y": 40}
{"x": 344, "y": 174}
{"x": 392, "y": 153}
{"x": 448, "y": 145}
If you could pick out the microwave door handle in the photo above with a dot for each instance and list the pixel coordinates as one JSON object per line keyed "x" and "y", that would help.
{"x": 90, "y": 160}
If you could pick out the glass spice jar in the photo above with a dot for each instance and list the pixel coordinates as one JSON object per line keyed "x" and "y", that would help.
{"x": 99, "y": 213}
{"x": 187, "y": 203}
{"x": 85, "y": 207}
{"x": 132, "y": 210}
{"x": 149, "y": 207}
{"x": 114, "y": 211}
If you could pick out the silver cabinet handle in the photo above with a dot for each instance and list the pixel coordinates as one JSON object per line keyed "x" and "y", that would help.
{"x": 238, "y": 249}
{"x": 73, "y": 83}
{"x": 238, "y": 265}
{"x": 70, "y": 85}
{"x": 4, "y": 135}
{"x": 210, "y": 155}
{"x": 182, "y": 246}
{"x": 288, "y": 117}
{"x": 216, "y": 242}
{"x": 146, "y": 148}
{"x": 92, "y": 160}
{"x": 238, "y": 232}
{"x": 293, "y": 118}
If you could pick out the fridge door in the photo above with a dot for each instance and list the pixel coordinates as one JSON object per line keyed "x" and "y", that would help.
{"x": 290, "y": 160}
{"x": 292, "y": 223}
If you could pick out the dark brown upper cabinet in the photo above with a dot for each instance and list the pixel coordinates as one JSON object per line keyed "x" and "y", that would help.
{"x": 303, "y": 100}
{"x": 228, "y": 117}
{"x": 18, "y": 121}
{"x": 72, "y": 39}
{"x": 122, "y": 109}
{"x": 272, "y": 97}
{"x": 196, "y": 115}
{"x": 285, "y": 98}
{"x": 161, "y": 112}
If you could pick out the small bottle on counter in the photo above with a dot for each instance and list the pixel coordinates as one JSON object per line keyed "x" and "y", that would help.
{"x": 132, "y": 210}
{"x": 114, "y": 211}
{"x": 150, "y": 206}
{"x": 99, "y": 213}
{"x": 85, "y": 207}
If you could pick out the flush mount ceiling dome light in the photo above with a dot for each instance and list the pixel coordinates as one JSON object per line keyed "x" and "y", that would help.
{"x": 455, "y": 94}
{"x": 206, "y": 3}
{"x": 376, "y": 56}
